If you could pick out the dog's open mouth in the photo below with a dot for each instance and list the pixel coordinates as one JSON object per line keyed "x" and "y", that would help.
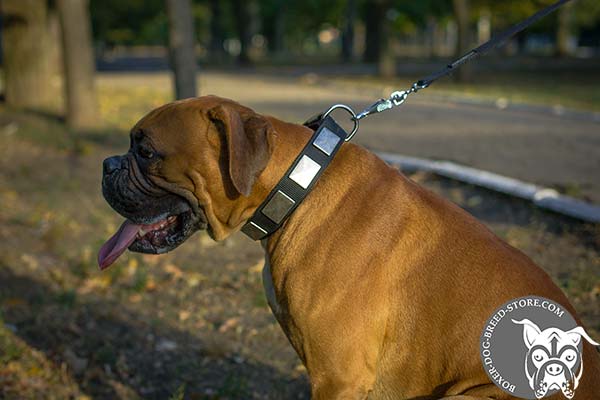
{"x": 155, "y": 238}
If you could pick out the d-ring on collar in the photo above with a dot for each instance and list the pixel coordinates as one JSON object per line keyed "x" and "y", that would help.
{"x": 300, "y": 178}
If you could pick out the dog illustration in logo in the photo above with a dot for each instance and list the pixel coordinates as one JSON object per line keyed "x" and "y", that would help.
{"x": 553, "y": 360}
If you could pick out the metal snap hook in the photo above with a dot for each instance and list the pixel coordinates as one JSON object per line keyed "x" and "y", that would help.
{"x": 350, "y": 111}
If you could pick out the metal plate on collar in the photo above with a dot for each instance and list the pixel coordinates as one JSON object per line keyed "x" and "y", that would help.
{"x": 254, "y": 231}
{"x": 305, "y": 171}
{"x": 326, "y": 141}
{"x": 278, "y": 207}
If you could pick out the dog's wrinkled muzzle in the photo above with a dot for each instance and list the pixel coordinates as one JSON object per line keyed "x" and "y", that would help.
{"x": 157, "y": 220}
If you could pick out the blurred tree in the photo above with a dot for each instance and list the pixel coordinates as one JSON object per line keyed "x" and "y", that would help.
{"x": 30, "y": 45}
{"x": 386, "y": 65}
{"x": 53, "y": 48}
{"x": 182, "y": 47}
{"x": 293, "y": 27}
{"x": 375, "y": 19}
{"x": 273, "y": 13}
{"x": 348, "y": 31}
{"x": 563, "y": 25}
{"x": 78, "y": 57}
{"x": 306, "y": 19}
{"x": 587, "y": 13}
{"x": 241, "y": 11}
{"x": 130, "y": 22}
{"x": 426, "y": 15}
{"x": 564, "y": 30}
{"x": 215, "y": 48}
{"x": 461, "y": 13}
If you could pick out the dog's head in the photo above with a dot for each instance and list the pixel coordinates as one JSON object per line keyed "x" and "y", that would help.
{"x": 185, "y": 158}
{"x": 553, "y": 361}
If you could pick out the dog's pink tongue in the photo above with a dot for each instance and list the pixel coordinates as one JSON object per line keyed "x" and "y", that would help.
{"x": 117, "y": 244}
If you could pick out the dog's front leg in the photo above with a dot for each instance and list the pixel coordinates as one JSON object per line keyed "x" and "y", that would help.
{"x": 340, "y": 374}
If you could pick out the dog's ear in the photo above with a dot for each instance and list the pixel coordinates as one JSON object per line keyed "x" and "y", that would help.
{"x": 248, "y": 138}
{"x": 577, "y": 333}
{"x": 530, "y": 331}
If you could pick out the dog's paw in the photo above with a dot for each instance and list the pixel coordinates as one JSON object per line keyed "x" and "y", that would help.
{"x": 567, "y": 390}
{"x": 542, "y": 389}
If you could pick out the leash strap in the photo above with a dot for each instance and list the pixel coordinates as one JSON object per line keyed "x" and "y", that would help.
{"x": 299, "y": 179}
{"x": 398, "y": 97}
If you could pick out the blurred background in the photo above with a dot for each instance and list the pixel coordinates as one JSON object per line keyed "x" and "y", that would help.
{"x": 77, "y": 74}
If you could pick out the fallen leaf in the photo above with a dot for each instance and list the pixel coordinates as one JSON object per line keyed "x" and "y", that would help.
{"x": 257, "y": 267}
{"x": 228, "y": 324}
{"x": 173, "y": 270}
{"x": 184, "y": 315}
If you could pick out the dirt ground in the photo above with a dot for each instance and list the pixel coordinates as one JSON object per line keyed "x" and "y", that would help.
{"x": 193, "y": 323}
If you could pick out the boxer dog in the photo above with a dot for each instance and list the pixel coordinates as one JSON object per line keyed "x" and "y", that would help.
{"x": 553, "y": 360}
{"x": 381, "y": 286}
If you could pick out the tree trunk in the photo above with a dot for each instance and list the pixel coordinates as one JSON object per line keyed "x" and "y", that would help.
{"x": 273, "y": 27}
{"x": 386, "y": 62}
{"x": 78, "y": 60}
{"x": 29, "y": 71}
{"x": 348, "y": 32}
{"x": 215, "y": 48}
{"x": 563, "y": 31}
{"x": 181, "y": 47}
{"x": 55, "y": 57}
{"x": 521, "y": 42}
{"x": 375, "y": 19}
{"x": 439, "y": 40}
{"x": 430, "y": 29}
{"x": 241, "y": 10}
{"x": 279, "y": 29}
{"x": 484, "y": 26}
{"x": 461, "y": 13}
{"x": 386, "y": 66}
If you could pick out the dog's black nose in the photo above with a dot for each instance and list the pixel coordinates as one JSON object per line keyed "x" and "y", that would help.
{"x": 554, "y": 369}
{"x": 112, "y": 164}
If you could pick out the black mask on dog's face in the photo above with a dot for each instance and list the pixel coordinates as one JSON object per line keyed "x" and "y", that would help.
{"x": 554, "y": 368}
{"x": 158, "y": 220}
{"x": 128, "y": 191}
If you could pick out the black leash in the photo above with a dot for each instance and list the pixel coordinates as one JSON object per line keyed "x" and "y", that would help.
{"x": 398, "y": 97}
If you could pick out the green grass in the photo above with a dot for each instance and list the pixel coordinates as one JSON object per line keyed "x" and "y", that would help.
{"x": 67, "y": 298}
{"x": 179, "y": 394}
{"x": 27, "y": 374}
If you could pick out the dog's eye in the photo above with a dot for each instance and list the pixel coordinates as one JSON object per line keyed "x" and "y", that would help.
{"x": 538, "y": 355}
{"x": 569, "y": 355}
{"x": 146, "y": 153}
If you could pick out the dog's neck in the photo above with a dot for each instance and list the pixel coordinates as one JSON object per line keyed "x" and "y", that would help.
{"x": 332, "y": 197}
